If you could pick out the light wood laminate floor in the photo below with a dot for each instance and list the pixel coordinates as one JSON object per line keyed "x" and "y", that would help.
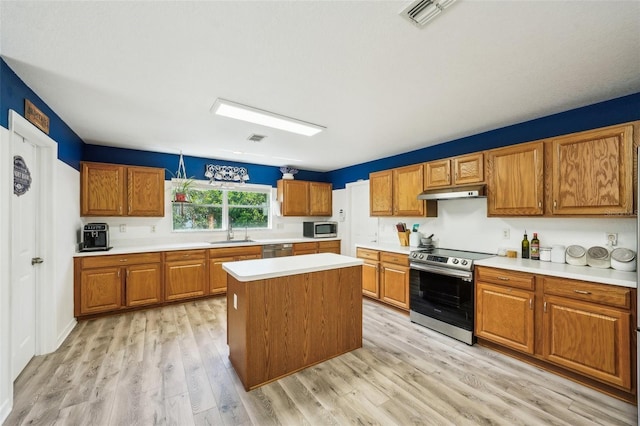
{"x": 170, "y": 366}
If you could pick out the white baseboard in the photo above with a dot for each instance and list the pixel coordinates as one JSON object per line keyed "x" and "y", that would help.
{"x": 5, "y": 409}
{"x": 65, "y": 332}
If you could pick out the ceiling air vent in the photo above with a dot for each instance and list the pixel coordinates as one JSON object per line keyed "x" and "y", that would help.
{"x": 256, "y": 138}
{"x": 422, "y": 11}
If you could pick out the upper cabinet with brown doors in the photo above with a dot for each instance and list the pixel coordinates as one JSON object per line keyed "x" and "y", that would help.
{"x": 463, "y": 170}
{"x": 515, "y": 180}
{"x": 304, "y": 198}
{"x": 592, "y": 172}
{"x": 116, "y": 190}
{"x": 395, "y": 193}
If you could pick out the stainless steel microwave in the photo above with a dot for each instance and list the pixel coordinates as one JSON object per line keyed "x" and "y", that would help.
{"x": 320, "y": 229}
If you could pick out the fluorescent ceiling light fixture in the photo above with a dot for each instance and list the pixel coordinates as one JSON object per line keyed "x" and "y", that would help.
{"x": 264, "y": 118}
{"x": 422, "y": 11}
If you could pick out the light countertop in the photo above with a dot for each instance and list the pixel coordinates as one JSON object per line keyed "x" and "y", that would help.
{"x": 563, "y": 270}
{"x": 259, "y": 269}
{"x": 394, "y": 248}
{"x": 197, "y": 245}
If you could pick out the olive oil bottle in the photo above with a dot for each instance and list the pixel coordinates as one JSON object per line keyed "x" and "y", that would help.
{"x": 535, "y": 247}
{"x": 525, "y": 246}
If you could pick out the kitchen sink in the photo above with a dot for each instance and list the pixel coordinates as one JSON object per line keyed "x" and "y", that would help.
{"x": 232, "y": 241}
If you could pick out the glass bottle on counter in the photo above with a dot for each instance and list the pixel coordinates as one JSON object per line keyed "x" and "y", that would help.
{"x": 525, "y": 246}
{"x": 535, "y": 247}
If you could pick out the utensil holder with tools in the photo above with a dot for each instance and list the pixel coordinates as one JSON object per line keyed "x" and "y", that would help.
{"x": 404, "y": 238}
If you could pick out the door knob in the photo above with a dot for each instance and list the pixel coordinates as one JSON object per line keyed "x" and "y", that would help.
{"x": 36, "y": 260}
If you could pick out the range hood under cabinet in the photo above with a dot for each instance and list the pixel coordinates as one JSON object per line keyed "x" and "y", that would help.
{"x": 470, "y": 191}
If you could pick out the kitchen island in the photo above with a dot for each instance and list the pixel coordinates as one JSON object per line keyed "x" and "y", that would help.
{"x": 288, "y": 313}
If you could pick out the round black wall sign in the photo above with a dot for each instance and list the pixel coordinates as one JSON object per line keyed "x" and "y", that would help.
{"x": 21, "y": 176}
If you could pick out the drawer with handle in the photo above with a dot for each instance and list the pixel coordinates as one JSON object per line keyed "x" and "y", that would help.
{"x": 121, "y": 260}
{"x": 363, "y": 253}
{"x": 604, "y": 294}
{"x": 172, "y": 256}
{"x": 504, "y": 277}
{"x": 397, "y": 258}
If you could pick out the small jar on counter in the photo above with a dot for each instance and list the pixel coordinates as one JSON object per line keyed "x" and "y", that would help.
{"x": 545, "y": 254}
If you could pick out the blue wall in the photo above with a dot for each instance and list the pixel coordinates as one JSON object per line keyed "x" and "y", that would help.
{"x": 195, "y": 166}
{"x": 71, "y": 149}
{"x": 13, "y": 92}
{"x": 620, "y": 110}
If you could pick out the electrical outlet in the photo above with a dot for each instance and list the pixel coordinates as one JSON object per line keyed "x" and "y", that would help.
{"x": 280, "y": 226}
{"x": 612, "y": 238}
{"x": 123, "y": 228}
{"x": 506, "y": 234}
{"x": 153, "y": 228}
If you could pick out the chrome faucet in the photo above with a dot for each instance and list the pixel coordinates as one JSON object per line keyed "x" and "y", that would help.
{"x": 229, "y": 231}
{"x": 246, "y": 233}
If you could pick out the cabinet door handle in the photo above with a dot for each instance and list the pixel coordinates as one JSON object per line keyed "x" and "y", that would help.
{"x": 530, "y": 303}
{"x": 118, "y": 273}
{"x": 120, "y": 209}
{"x": 129, "y": 208}
{"x": 540, "y": 204}
{"x": 186, "y": 255}
{"x": 503, "y": 278}
{"x": 581, "y": 291}
{"x": 555, "y": 204}
{"x": 545, "y": 307}
{"x": 127, "y": 273}
{"x": 123, "y": 260}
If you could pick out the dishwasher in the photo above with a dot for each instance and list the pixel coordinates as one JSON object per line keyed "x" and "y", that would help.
{"x": 277, "y": 250}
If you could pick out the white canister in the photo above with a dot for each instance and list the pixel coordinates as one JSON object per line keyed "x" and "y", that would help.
{"x": 414, "y": 239}
{"x": 545, "y": 254}
{"x": 557, "y": 253}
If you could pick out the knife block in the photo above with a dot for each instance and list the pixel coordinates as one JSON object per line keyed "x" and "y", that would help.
{"x": 404, "y": 238}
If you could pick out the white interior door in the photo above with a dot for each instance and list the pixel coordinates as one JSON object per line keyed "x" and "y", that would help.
{"x": 363, "y": 228}
{"x": 24, "y": 247}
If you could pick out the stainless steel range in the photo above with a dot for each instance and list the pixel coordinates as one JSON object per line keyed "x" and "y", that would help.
{"x": 442, "y": 290}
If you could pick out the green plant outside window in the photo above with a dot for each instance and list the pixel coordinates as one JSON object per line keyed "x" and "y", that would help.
{"x": 213, "y": 209}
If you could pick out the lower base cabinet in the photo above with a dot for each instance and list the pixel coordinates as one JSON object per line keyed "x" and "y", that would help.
{"x": 217, "y": 275}
{"x": 332, "y": 246}
{"x": 385, "y": 276}
{"x": 111, "y": 283}
{"x": 584, "y": 329}
{"x": 185, "y": 274}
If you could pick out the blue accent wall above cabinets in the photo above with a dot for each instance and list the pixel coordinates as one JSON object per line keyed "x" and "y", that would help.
{"x": 195, "y": 166}
{"x": 13, "y": 92}
{"x": 607, "y": 113}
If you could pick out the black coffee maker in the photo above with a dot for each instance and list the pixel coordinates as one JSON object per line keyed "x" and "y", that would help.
{"x": 95, "y": 237}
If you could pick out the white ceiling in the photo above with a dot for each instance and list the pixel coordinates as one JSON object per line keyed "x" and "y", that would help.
{"x": 143, "y": 75}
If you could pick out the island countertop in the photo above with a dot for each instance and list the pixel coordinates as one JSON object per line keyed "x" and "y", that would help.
{"x": 259, "y": 269}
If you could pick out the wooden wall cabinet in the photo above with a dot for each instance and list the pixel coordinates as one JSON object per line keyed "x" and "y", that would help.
{"x": 592, "y": 172}
{"x": 385, "y": 276}
{"x": 110, "y": 283}
{"x": 515, "y": 180}
{"x": 395, "y": 193}
{"x": 116, "y": 190}
{"x": 467, "y": 169}
{"x": 217, "y": 275}
{"x": 304, "y": 198}
{"x": 580, "y": 329}
{"x": 185, "y": 274}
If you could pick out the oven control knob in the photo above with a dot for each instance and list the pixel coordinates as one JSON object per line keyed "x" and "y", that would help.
{"x": 464, "y": 262}
{"x": 414, "y": 255}
{"x": 455, "y": 261}
{"x": 421, "y": 256}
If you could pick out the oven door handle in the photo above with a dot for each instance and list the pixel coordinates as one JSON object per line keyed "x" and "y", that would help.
{"x": 465, "y": 275}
